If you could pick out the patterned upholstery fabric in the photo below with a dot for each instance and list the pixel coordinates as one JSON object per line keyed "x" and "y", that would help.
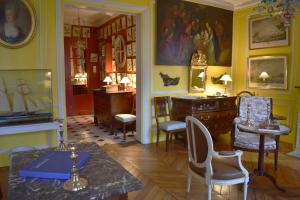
{"x": 259, "y": 107}
{"x": 259, "y": 112}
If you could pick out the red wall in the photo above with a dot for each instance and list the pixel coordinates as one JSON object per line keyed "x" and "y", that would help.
{"x": 82, "y": 104}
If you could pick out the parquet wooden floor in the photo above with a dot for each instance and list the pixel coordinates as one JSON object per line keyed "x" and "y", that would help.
{"x": 165, "y": 174}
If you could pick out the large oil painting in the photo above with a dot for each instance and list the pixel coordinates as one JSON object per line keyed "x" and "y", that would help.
{"x": 268, "y": 32}
{"x": 267, "y": 72}
{"x": 185, "y": 27}
{"x": 17, "y": 22}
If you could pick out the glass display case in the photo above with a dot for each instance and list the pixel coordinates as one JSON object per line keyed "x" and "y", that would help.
{"x": 25, "y": 96}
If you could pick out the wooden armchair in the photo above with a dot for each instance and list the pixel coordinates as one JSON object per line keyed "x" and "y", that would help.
{"x": 215, "y": 168}
{"x": 162, "y": 110}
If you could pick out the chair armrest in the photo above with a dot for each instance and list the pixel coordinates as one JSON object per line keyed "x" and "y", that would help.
{"x": 237, "y": 120}
{"x": 278, "y": 117}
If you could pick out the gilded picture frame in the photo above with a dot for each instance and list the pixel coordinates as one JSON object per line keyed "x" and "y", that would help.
{"x": 17, "y": 23}
{"x": 267, "y": 72}
{"x": 266, "y": 31}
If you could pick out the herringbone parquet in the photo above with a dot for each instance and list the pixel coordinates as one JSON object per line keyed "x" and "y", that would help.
{"x": 164, "y": 174}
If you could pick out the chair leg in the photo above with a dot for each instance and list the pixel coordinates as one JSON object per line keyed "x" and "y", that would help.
{"x": 157, "y": 137}
{"x": 167, "y": 142}
{"x": 189, "y": 181}
{"x": 209, "y": 192}
{"x": 276, "y": 153}
{"x": 245, "y": 190}
{"x": 124, "y": 132}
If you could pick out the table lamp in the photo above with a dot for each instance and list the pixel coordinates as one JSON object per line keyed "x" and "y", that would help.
{"x": 107, "y": 80}
{"x": 125, "y": 80}
{"x": 225, "y": 78}
{"x": 264, "y": 76}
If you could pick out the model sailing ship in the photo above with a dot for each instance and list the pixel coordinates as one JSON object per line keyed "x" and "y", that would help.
{"x": 23, "y": 107}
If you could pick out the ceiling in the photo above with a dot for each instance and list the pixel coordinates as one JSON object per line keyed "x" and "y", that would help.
{"x": 88, "y": 16}
{"x": 95, "y": 17}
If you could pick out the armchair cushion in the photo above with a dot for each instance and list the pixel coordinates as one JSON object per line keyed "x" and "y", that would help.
{"x": 251, "y": 141}
{"x": 223, "y": 169}
{"x": 172, "y": 125}
{"x": 125, "y": 118}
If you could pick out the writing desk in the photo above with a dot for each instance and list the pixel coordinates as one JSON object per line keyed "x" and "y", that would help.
{"x": 107, "y": 179}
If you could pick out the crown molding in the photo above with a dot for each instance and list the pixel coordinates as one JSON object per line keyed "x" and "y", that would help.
{"x": 246, "y": 4}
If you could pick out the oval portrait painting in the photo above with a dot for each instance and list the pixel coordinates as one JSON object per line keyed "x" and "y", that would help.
{"x": 17, "y": 23}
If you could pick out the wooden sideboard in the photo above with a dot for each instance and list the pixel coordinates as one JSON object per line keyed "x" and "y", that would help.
{"x": 216, "y": 113}
{"x": 108, "y": 104}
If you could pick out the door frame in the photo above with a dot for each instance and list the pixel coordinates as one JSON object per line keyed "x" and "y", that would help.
{"x": 143, "y": 123}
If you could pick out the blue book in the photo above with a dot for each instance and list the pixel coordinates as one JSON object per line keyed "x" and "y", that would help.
{"x": 53, "y": 165}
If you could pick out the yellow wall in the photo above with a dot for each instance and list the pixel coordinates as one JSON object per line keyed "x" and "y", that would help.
{"x": 285, "y": 101}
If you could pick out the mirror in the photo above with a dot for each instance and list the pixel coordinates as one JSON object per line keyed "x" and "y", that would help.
{"x": 197, "y": 72}
{"x": 197, "y": 79}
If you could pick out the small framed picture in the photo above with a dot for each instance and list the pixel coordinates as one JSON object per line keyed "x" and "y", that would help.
{"x": 67, "y": 30}
{"x": 113, "y": 37}
{"x": 129, "y": 64}
{"x": 86, "y": 32}
{"x": 113, "y": 28}
{"x": 129, "y": 20}
{"x": 101, "y": 33}
{"x": 268, "y": 32}
{"x": 267, "y": 72}
{"x": 129, "y": 50}
{"x": 113, "y": 53}
{"x": 133, "y": 49}
{"x": 129, "y": 35}
{"x": 124, "y": 22}
{"x": 119, "y": 27}
{"x": 134, "y": 65}
{"x": 113, "y": 66}
{"x": 94, "y": 57}
{"x": 76, "y": 31}
{"x": 105, "y": 32}
{"x": 108, "y": 30}
{"x": 134, "y": 33}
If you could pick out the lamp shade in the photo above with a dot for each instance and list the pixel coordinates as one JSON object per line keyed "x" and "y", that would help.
{"x": 225, "y": 78}
{"x": 107, "y": 79}
{"x": 125, "y": 80}
{"x": 264, "y": 76}
{"x": 201, "y": 75}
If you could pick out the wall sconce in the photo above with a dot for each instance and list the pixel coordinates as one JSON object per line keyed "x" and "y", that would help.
{"x": 225, "y": 77}
{"x": 264, "y": 76}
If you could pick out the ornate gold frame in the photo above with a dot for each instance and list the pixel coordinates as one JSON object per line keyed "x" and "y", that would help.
{"x": 31, "y": 33}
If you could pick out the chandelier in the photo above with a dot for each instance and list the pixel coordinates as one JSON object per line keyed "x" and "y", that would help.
{"x": 285, "y": 8}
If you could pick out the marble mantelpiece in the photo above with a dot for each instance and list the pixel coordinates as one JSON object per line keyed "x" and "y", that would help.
{"x": 106, "y": 178}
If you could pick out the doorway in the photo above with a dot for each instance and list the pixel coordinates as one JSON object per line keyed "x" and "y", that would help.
{"x": 124, "y": 26}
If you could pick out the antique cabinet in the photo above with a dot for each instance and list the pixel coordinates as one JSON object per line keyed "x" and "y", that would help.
{"x": 216, "y": 113}
{"x": 108, "y": 104}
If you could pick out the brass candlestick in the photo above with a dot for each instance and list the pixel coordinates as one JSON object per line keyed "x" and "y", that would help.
{"x": 61, "y": 146}
{"x": 75, "y": 183}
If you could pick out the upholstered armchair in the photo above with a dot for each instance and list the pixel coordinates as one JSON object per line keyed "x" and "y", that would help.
{"x": 215, "y": 168}
{"x": 259, "y": 110}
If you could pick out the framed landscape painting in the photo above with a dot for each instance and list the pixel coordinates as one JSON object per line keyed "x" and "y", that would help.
{"x": 185, "y": 27}
{"x": 267, "y": 72}
{"x": 268, "y": 32}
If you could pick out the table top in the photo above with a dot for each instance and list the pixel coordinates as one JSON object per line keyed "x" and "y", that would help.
{"x": 106, "y": 178}
{"x": 255, "y": 128}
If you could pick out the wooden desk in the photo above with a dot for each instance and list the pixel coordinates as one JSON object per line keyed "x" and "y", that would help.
{"x": 107, "y": 179}
{"x": 216, "y": 113}
{"x": 108, "y": 104}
